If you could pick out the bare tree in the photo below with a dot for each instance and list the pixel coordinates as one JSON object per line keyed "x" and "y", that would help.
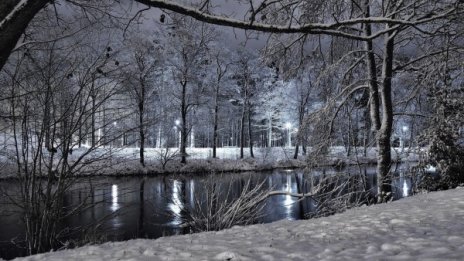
{"x": 304, "y": 88}
{"x": 140, "y": 80}
{"x": 189, "y": 57}
{"x": 221, "y": 70}
{"x": 247, "y": 85}
{"x": 46, "y": 108}
{"x": 218, "y": 207}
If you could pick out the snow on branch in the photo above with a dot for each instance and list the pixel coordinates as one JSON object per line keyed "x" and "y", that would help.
{"x": 19, "y": 6}
{"x": 308, "y": 28}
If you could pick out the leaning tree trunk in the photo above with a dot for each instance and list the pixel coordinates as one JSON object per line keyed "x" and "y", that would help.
{"x": 12, "y": 29}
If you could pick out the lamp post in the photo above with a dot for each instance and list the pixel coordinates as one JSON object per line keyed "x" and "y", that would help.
{"x": 115, "y": 124}
{"x": 288, "y": 126}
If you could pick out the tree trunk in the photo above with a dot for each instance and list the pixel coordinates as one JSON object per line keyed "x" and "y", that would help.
{"x": 367, "y": 126}
{"x": 94, "y": 140}
{"x": 372, "y": 70}
{"x": 348, "y": 142}
{"x": 12, "y": 29}
{"x": 250, "y": 132}
{"x": 242, "y": 132}
{"x": 103, "y": 137}
{"x": 79, "y": 123}
{"x": 142, "y": 133}
{"x": 215, "y": 128}
{"x": 381, "y": 127}
{"x": 297, "y": 148}
{"x": 47, "y": 119}
{"x": 269, "y": 137}
{"x": 301, "y": 115}
{"x": 183, "y": 135}
{"x": 297, "y": 142}
{"x": 384, "y": 133}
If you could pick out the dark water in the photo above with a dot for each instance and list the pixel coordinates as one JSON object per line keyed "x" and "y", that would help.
{"x": 150, "y": 207}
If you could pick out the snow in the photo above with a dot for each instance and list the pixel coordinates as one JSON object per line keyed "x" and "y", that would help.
{"x": 424, "y": 227}
{"x": 430, "y": 168}
{"x": 125, "y": 161}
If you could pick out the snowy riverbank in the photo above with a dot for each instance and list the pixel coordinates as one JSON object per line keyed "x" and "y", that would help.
{"x": 424, "y": 227}
{"x": 125, "y": 161}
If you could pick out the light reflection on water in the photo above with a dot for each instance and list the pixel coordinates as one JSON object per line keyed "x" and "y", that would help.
{"x": 176, "y": 204}
{"x": 157, "y": 209}
{"x": 192, "y": 193}
{"x": 288, "y": 201}
{"x": 115, "y": 222}
{"x": 114, "y": 198}
{"x": 405, "y": 189}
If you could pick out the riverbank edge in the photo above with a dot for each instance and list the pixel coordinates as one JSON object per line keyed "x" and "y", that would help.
{"x": 119, "y": 167}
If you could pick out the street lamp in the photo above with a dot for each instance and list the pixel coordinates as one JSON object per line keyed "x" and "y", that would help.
{"x": 115, "y": 124}
{"x": 288, "y": 126}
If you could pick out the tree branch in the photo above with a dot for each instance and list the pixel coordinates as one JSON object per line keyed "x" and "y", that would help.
{"x": 309, "y": 28}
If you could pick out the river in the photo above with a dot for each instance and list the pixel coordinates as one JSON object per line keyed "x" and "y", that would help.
{"x": 151, "y": 207}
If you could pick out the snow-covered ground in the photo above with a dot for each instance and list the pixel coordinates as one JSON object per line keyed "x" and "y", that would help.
{"x": 423, "y": 227}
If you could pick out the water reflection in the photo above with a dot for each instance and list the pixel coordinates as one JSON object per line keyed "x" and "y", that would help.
{"x": 289, "y": 201}
{"x": 402, "y": 183}
{"x": 288, "y": 184}
{"x": 114, "y": 198}
{"x": 192, "y": 193}
{"x": 152, "y": 207}
{"x": 405, "y": 189}
{"x": 176, "y": 204}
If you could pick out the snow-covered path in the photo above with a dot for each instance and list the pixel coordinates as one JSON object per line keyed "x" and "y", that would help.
{"x": 424, "y": 227}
